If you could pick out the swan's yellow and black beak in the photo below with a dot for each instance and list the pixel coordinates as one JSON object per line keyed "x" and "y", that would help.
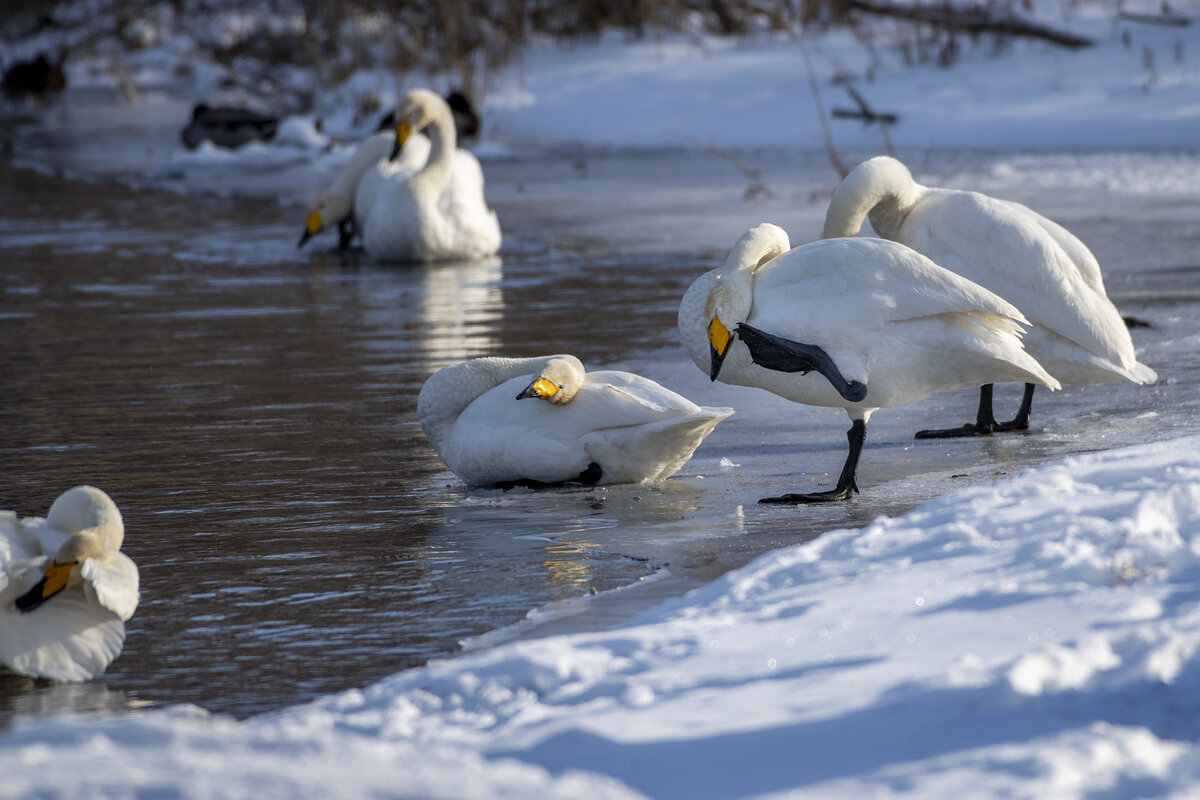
{"x": 312, "y": 227}
{"x": 403, "y": 131}
{"x": 719, "y": 339}
{"x": 53, "y": 581}
{"x": 540, "y": 388}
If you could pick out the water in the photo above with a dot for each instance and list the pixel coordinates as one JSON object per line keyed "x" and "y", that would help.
{"x": 250, "y": 409}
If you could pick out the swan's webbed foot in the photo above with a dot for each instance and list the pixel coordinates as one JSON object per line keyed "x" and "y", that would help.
{"x": 589, "y": 477}
{"x": 832, "y": 496}
{"x": 963, "y": 431}
{"x": 985, "y": 423}
{"x": 784, "y": 355}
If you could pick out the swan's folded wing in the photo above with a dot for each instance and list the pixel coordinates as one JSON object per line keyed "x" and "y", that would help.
{"x": 114, "y": 585}
{"x": 67, "y": 639}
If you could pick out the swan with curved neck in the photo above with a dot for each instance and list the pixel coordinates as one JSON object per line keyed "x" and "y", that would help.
{"x": 546, "y": 421}
{"x": 859, "y": 324}
{"x": 335, "y": 204}
{"x": 1076, "y": 332}
{"x": 65, "y": 587}
{"x": 437, "y": 212}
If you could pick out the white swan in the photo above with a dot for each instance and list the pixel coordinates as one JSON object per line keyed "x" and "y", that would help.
{"x": 436, "y": 213}
{"x": 65, "y": 587}
{"x": 856, "y": 323}
{"x": 335, "y": 205}
{"x": 1038, "y": 266}
{"x": 544, "y": 421}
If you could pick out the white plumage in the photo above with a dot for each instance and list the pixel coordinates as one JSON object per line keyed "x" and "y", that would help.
{"x": 498, "y": 421}
{"x": 436, "y": 212}
{"x": 859, "y": 324}
{"x": 65, "y": 588}
{"x": 1076, "y": 332}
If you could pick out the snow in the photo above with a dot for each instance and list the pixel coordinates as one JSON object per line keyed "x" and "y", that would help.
{"x": 1036, "y": 638}
{"x": 1039, "y": 637}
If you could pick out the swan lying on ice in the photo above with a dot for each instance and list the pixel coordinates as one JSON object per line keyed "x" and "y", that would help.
{"x": 544, "y": 421}
{"x": 859, "y": 324}
{"x": 437, "y": 212}
{"x": 65, "y": 588}
{"x": 1038, "y": 266}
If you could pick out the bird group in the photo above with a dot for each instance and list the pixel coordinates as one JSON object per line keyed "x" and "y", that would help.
{"x": 960, "y": 290}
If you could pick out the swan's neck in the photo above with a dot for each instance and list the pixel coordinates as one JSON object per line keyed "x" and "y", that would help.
{"x": 368, "y": 154}
{"x": 442, "y": 145}
{"x": 733, "y": 295}
{"x": 881, "y": 188}
{"x": 449, "y": 391}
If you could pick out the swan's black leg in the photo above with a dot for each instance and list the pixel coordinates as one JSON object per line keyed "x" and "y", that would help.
{"x": 847, "y": 484}
{"x": 784, "y": 355}
{"x": 346, "y": 232}
{"x": 1021, "y": 421}
{"x": 985, "y": 422}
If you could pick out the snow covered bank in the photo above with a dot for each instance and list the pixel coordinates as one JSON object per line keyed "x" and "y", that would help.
{"x": 1037, "y": 638}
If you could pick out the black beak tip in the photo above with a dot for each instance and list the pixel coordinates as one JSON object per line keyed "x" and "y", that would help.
{"x": 717, "y": 359}
{"x": 395, "y": 151}
{"x": 304, "y": 237}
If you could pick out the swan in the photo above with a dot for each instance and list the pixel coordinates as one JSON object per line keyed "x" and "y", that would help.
{"x": 335, "y": 205}
{"x": 65, "y": 587}
{"x": 544, "y": 421}
{"x": 859, "y": 324}
{"x": 437, "y": 212}
{"x": 1037, "y": 265}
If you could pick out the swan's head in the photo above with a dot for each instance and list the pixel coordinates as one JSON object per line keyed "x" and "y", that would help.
{"x": 558, "y": 382}
{"x": 729, "y": 301}
{"x": 417, "y": 109}
{"x": 325, "y": 208}
{"x": 97, "y": 531}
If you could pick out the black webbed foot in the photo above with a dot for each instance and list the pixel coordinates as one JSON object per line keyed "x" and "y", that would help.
{"x": 831, "y": 496}
{"x": 589, "y": 477}
{"x": 784, "y": 355}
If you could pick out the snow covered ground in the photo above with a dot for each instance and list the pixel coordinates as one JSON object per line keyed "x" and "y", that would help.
{"x": 1035, "y": 638}
{"x": 1038, "y": 638}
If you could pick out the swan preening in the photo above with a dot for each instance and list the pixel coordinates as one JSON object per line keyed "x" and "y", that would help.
{"x": 65, "y": 587}
{"x": 1075, "y": 331}
{"x": 410, "y": 197}
{"x": 859, "y": 324}
{"x": 545, "y": 421}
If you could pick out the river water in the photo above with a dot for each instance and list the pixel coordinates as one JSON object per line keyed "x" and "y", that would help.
{"x": 250, "y": 408}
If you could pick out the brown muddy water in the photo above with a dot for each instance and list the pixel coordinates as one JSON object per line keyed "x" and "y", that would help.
{"x": 250, "y": 408}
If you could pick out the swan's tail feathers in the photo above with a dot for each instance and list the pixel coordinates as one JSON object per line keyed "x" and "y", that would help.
{"x": 1000, "y": 337}
{"x": 1140, "y": 373}
{"x": 652, "y": 451}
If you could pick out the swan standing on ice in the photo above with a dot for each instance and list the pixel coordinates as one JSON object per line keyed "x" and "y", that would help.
{"x": 544, "y": 421}
{"x": 65, "y": 587}
{"x": 335, "y": 205}
{"x": 1035, "y": 264}
{"x": 856, "y": 323}
{"x": 437, "y": 212}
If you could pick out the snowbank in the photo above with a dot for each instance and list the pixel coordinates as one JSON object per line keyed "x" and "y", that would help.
{"x": 1036, "y": 638}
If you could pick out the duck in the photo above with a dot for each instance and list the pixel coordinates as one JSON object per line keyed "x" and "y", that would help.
{"x": 1039, "y": 266}
{"x": 229, "y": 127}
{"x": 437, "y": 212}
{"x": 66, "y": 589}
{"x": 855, "y": 323}
{"x": 545, "y": 421}
{"x": 334, "y": 206}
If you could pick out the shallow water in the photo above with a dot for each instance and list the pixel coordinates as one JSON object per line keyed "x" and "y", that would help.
{"x": 250, "y": 409}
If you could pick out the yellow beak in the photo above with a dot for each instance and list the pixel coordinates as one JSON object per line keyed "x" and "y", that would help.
{"x": 539, "y": 388}
{"x": 719, "y": 338}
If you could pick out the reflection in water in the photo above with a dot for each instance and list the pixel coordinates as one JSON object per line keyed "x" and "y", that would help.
{"x": 252, "y": 416}
{"x": 21, "y": 695}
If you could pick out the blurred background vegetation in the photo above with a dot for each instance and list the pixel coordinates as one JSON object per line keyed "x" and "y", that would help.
{"x": 464, "y": 38}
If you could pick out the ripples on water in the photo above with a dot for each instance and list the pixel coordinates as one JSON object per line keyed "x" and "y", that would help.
{"x": 250, "y": 410}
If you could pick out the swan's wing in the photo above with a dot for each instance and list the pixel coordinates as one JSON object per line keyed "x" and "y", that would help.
{"x": 382, "y": 173}
{"x": 66, "y": 638}
{"x": 1008, "y": 249}
{"x": 114, "y": 584}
